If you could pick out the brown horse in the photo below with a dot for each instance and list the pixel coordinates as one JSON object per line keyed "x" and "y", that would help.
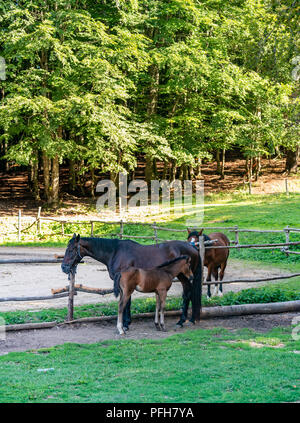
{"x": 214, "y": 258}
{"x": 158, "y": 280}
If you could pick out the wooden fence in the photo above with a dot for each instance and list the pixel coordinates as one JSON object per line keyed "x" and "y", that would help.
{"x": 235, "y": 230}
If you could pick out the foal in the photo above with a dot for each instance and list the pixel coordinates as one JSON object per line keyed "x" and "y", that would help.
{"x": 158, "y": 280}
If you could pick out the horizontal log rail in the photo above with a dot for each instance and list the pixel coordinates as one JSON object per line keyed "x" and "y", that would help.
{"x": 206, "y": 313}
{"x": 39, "y": 298}
{"x": 82, "y": 288}
{"x": 279, "y": 244}
{"x": 273, "y": 278}
{"x": 30, "y": 261}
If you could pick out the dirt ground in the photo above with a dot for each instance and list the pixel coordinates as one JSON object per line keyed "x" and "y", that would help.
{"x": 140, "y": 329}
{"x": 32, "y": 280}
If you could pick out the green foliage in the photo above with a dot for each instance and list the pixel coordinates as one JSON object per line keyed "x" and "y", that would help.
{"x": 100, "y": 83}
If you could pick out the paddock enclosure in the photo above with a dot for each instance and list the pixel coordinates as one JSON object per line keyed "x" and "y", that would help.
{"x": 39, "y": 282}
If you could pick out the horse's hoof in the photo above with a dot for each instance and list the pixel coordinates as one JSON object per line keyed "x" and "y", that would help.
{"x": 157, "y": 326}
{"x": 163, "y": 329}
{"x": 126, "y": 328}
{"x": 192, "y": 321}
{"x": 179, "y": 325}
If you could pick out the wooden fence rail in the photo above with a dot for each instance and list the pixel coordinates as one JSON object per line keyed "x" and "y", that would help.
{"x": 37, "y": 221}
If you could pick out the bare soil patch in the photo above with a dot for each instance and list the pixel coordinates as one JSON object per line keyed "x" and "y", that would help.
{"x": 15, "y": 193}
{"x": 139, "y": 329}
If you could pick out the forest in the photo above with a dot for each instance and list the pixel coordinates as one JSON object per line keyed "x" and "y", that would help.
{"x": 94, "y": 86}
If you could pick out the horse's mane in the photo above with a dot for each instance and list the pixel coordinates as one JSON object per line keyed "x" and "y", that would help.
{"x": 169, "y": 262}
{"x": 100, "y": 242}
{"x": 196, "y": 233}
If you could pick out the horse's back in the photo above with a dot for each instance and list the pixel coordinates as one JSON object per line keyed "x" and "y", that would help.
{"x": 151, "y": 256}
{"x": 219, "y": 255}
{"x": 221, "y": 238}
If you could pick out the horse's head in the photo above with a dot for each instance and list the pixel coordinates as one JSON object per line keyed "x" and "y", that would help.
{"x": 193, "y": 236}
{"x": 72, "y": 255}
{"x": 186, "y": 268}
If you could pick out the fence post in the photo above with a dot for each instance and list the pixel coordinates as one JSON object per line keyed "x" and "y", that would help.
{"x": 286, "y": 186}
{"x": 38, "y": 221}
{"x": 19, "y": 225}
{"x": 236, "y": 235}
{"x": 155, "y": 232}
{"x": 201, "y": 254}
{"x": 92, "y": 228}
{"x": 121, "y": 229}
{"x": 71, "y": 295}
{"x": 287, "y": 234}
{"x": 250, "y": 187}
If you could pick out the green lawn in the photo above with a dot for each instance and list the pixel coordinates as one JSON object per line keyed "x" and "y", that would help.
{"x": 197, "y": 366}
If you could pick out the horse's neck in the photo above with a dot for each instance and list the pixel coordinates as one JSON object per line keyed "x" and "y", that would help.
{"x": 173, "y": 269}
{"x": 101, "y": 250}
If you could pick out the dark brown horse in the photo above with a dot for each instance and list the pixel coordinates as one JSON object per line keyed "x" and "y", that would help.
{"x": 119, "y": 255}
{"x": 215, "y": 259}
{"x": 158, "y": 280}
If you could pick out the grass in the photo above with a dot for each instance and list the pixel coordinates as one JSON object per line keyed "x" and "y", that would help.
{"x": 197, "y": 366}
{"x": 266, "y": 294}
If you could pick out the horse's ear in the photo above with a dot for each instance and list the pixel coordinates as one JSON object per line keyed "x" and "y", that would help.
{"x": 78, "y": 238}
{"x": 200, "y": 232}
{"x": 189, "y": 231}
{"x": 74, "y": 236}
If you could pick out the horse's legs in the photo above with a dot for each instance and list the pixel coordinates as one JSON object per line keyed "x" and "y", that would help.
{"x": 127, "y": 315}
{"x": 125, "y": 296}
{"x": 208, "y": 279}
{"x": 186, "y": 297}
{"x": 157, "y": 311}
{"x": 222, "y": 271}
{"x": 163, "y": 296}
{"x": 216, "y": 277}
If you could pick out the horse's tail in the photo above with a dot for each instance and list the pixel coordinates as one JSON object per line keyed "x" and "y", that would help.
{"x": 197, "y": 291}
{"x": 117, "y": 278}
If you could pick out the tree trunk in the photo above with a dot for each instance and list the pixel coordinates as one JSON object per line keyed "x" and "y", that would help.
{"x": 151, "y": 110}
{"x": 257, "y": 167}
{"x": 93, "y": 182}
{"x": 185, "y": 172}
{"x": 191, "y": 172}
{"x": 181, "y": 173}
{"x": 54, "y": 189}
{"x": 46, "y": 176}
{"x": 223, "y": 164}
{"x": 149, "y": 169}
{"x": 292, "y": 157}
{"x": 173, "y": 171}
{"x": 35, "y": 176}
{"x": 165, "y": 171}
{"x": 154, "y": 74}
{"x": 198, "y": 168}
{"x": 72, "y": 176}
{"x": 218, "y": 162}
